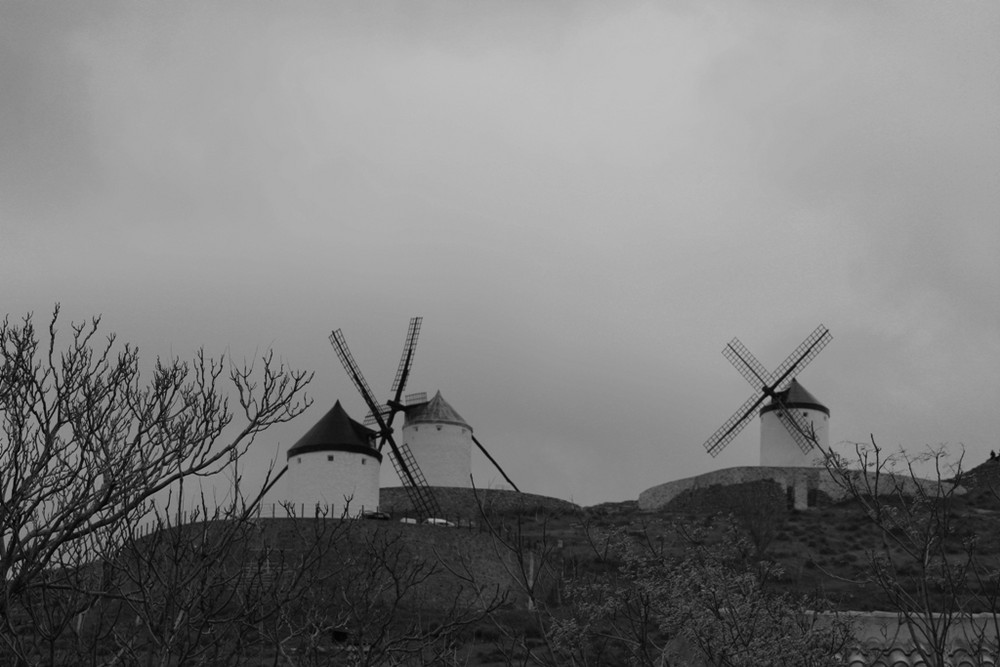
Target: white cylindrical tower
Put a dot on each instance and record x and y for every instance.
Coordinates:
(441, 442)
(334, 465)
(777, 446)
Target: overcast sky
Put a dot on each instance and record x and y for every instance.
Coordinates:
(585, 202)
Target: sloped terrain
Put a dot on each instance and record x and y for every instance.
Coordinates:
(826, 549)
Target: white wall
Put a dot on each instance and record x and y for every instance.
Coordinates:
(313, 478)
(443, 452)
(779, 449)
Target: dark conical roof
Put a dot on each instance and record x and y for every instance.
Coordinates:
(796, 396)
(435, 411)
(336, 432)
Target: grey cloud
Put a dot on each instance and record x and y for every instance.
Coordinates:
(585, 201)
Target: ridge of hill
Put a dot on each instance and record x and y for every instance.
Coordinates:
(984, 477)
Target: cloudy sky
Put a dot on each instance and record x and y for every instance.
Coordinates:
(584, 200)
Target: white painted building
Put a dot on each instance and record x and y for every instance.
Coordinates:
(777, 446)
(441, 442)
(334, 465)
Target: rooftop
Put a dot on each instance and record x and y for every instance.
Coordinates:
(796, 396)
(435, 411)
(336, 431)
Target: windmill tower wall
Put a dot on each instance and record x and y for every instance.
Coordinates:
(334, 465)
(331, 478)
(777, 446)
(441, 442)
(443, 452)
(779, 449)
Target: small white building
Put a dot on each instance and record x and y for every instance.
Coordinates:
(335, 465)
(777, 446)
(441, 442)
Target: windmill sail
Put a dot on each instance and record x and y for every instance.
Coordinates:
(769, 385)
(732, 426)
(409, 473)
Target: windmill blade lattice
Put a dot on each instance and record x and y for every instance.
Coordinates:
(406, 361)
(372, 420)
(802, 355)
(405, 465)
(769, 385)
(748, 366)
(354, 373)
(419, 491)
(732, 426)
(389, 409)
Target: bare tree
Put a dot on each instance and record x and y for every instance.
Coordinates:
(95, 573)
(703, 601)
(86, 444)
(527, 582)
(693, 597)
(928, 563)
(729, 612)
(372, 593)
(184, 591)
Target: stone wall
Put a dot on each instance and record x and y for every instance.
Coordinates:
(802, 483)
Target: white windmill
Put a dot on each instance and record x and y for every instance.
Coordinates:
(794, 424)
(420, 463)
(335, 465)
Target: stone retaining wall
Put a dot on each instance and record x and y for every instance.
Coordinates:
(802, 483)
